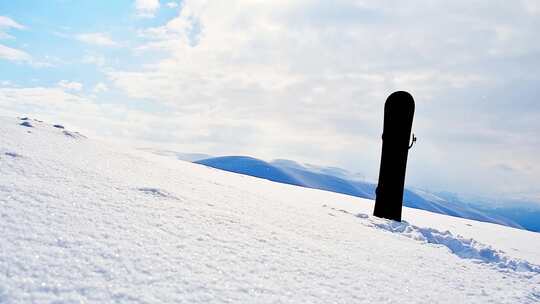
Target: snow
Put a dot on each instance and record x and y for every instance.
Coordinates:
(88, 221)
(335, 180)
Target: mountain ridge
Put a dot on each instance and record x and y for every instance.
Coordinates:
(293, 173)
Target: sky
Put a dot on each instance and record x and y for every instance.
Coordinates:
(301, 80)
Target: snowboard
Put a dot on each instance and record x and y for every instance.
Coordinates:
(398, 118)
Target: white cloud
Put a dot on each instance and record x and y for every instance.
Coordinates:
(146, 8)
(20, 56)
(307, 73)
(52, 102)
(6, 22)
(56, 105)
(70, 85)
(5, 36)
(12, 54)
(98, 60)
(100, 88)
(532, 6)
(101, 39)
(277, 78)
(105, 120)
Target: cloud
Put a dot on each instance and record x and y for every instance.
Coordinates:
(4, 35)
(101, 39)
(532, 6)
(100, 87)
(57, 105)
(146, 8)
(12, 54)
(6, 52)
(70, 85)
(20, 56)
(304, 74)
(307, 80)
(7, 23)
(118, 121)
(41, 100)
(98, 60)
(172, 4)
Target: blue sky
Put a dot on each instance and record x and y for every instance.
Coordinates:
(304, 80)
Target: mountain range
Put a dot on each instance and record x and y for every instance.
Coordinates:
(341, 181)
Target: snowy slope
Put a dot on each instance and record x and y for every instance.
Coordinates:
(84, 221)
(292, 173)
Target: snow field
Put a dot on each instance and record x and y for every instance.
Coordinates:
(85, 221)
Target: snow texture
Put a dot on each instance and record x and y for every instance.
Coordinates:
(458, 245)
(84, 221)
(26, 124)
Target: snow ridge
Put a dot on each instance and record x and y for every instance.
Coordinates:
(458, 245)
(465, 248)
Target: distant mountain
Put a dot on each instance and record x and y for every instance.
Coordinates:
(522, 211)
(289, 172)
(527, 217)
(250, 166)
(191, 157)
(341, 181)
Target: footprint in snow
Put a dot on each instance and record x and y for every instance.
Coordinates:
(159, 193)
(74, 135)
(12, 154)
(465, 248)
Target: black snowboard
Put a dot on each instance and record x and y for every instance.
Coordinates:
(398, 118)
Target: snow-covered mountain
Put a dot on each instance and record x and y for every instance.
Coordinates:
(192, 157)
(338, 180)
(85, 221)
